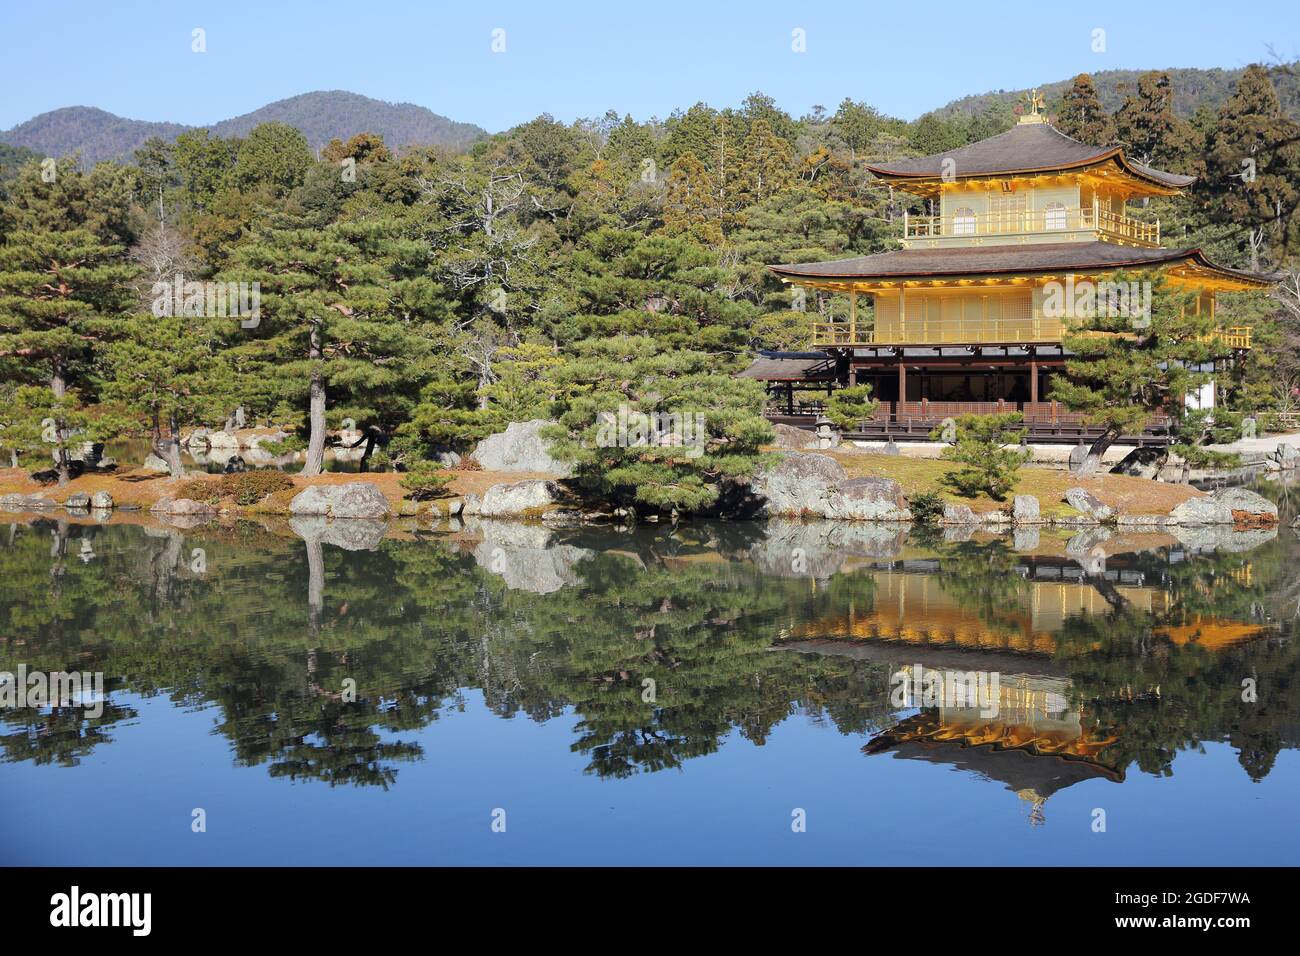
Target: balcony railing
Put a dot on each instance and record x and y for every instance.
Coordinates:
(1026, 221)
(939, 332)
(1013, 331)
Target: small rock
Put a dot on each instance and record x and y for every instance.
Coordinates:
(454, 507)
(26, 503)
(181, 506)
(960, 515)
(408, 508)
(435, 508)
(101, 501)
(1080, 499)
(77, 501)
(153, 463)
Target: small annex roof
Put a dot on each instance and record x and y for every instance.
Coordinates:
(1027, 148)
(791, 367)
(1007, 260)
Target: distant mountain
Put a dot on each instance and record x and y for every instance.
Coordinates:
(337, 113)
(1192, 88)
(321, 116)
(97, 133)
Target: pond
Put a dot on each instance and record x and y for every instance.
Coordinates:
(499, 693)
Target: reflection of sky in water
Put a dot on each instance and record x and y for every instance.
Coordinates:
(131, 804)
(1092, 677)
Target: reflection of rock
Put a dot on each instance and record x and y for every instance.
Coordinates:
(520, 448)
(181, 506)
(958, 533)
(355, 499)
(1220, 537)
(818, 549)
(1026, 538)
(1082, 543)
(517, 498)
(359, 534)
(526, 556)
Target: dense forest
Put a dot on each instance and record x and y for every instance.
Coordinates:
(554, 271)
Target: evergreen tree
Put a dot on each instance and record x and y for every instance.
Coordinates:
(1081, 114)
(1253, 168)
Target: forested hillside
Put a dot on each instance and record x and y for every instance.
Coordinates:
(321, 116)
(560, 271)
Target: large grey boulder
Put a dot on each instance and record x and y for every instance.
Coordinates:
(77, 501)
(1025, 510)
(790, 438)
(1226, 506)
(517, 499)
(1080, 499)
(356, 499)
(799, 485)
(868, 499)
(1142, 463)
(1246, 506)
(218, 441)
(520, 448)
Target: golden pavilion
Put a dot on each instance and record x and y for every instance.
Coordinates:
(957, 322)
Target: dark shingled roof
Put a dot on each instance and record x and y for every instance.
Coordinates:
(999, 260)
(1031, 147)
(791, 367)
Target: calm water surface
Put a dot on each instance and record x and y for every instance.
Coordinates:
(651, 696)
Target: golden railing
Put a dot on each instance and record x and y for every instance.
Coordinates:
(1063, 219)
(940, 332)
(1235, 337)
(1011, 331)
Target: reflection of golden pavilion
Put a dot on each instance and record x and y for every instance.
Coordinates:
(917, 609)
(1035, 741)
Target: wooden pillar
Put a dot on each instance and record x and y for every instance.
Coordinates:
(789, 398)
(1033, 380)
(853, 315)
(902, 380)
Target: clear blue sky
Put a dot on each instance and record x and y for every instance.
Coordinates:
(577, 59)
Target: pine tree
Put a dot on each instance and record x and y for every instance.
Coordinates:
(1129, 367)
(1253, 167)
(1081, 114)
(63, 286)
(1147, 127)
(332, 318)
